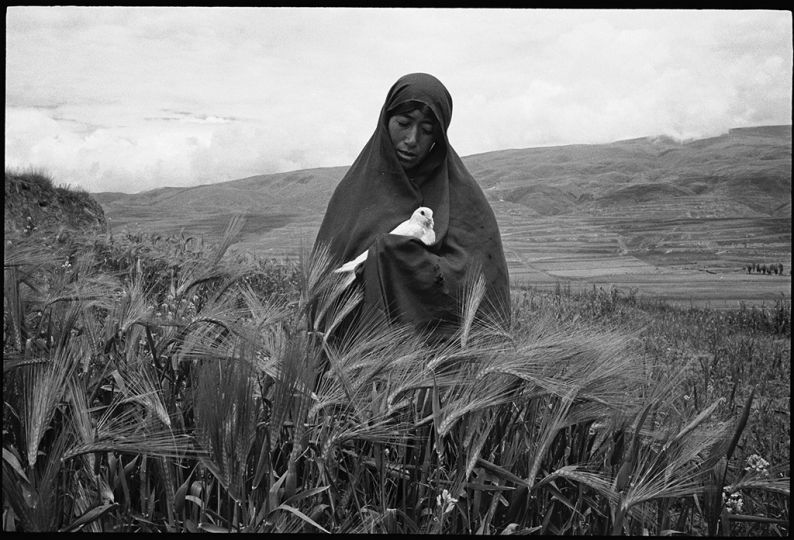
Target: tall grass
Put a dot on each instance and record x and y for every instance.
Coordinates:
(160, 384)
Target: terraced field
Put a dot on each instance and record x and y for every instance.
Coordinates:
(702, 261)
(679, 260)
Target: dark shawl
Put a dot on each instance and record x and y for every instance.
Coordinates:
(403, 279)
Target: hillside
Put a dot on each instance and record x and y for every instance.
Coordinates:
(746, 172)
(589, 212)
(32, 201)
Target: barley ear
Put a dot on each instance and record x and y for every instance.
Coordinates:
(473, 294)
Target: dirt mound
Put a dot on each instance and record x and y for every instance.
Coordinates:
(33, 203)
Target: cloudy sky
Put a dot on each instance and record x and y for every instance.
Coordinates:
(130, 99)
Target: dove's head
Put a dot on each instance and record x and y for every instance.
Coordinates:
(423, 215)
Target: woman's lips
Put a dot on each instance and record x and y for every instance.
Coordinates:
(405, 155)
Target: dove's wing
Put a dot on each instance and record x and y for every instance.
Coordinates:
(350, 266)
(409, 228)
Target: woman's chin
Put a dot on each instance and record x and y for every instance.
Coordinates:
(408, 163)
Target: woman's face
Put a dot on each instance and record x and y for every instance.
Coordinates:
(412, 136)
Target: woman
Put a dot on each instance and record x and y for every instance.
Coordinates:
(407, 163)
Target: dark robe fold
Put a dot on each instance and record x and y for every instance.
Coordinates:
(403, 279)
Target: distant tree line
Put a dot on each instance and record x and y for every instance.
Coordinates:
(757, 268)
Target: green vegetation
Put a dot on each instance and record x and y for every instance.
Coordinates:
(157, 383)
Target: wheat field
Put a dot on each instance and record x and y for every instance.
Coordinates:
(162, 384)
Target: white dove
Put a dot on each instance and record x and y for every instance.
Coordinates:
(419, 225)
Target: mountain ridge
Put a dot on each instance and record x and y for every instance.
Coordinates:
(579, 167)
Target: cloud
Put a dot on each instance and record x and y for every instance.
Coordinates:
(109, 159)
(135, 98)
(609, 77)
(197, 118)
(202, 149)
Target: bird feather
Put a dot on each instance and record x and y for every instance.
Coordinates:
(419, 225)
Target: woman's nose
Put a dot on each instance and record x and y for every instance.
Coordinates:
(410, 136)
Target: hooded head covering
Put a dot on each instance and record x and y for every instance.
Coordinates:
(403, 279)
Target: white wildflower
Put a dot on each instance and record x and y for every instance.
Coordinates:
(595, 427)
(757, 464)
(446, 501)
(733, 502)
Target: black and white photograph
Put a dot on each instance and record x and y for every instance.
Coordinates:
(397, 270)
